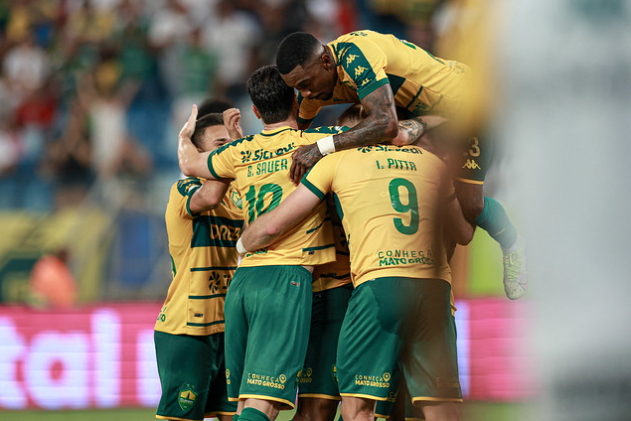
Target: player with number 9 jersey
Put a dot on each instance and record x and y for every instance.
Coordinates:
(391, 222)
(391, 201)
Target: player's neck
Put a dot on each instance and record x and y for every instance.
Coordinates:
(291, 122)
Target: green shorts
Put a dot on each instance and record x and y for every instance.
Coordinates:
(318, 375)
(191, 370)
(268, 313)
(476, 161)
(400, 322)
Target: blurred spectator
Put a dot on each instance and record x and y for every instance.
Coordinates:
(138, 59)
(4, 17)
(197, 75)
(169, 28)
(69, 160)
(26, 67)
(52, 285)
(169, 25)
(17, 20)
(198, 67)
(9, 147)
(348, 18)
(279, 19)
(106, 97)
(234, 34)
(89, 25)
(38, 107)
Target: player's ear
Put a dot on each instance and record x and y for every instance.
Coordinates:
(326, 60)
(256, 112)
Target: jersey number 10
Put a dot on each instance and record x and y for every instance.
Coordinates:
(256, 202)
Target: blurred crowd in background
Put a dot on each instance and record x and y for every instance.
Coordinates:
(93, 93)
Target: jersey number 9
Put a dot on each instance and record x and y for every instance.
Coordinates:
(411, 206)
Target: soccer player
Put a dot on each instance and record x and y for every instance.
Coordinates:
(382, 73)
(268, 306)
(189, 334)
(394, 204)
(318, 392)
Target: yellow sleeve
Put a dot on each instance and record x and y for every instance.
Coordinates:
(364, 63)
(319, 179)
(221, 162)
(181, 200)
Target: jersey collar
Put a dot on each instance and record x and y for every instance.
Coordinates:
(274, 132)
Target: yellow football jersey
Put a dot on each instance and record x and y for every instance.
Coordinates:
(260, 166)
(366, 60)
(203, 258)
(338, 273)
(389, 199)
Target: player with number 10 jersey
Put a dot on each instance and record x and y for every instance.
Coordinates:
(260, 164)
(272, 283)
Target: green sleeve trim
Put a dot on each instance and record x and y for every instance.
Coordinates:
(338, 207)
(371, 88)
(311, 187)
(210, 166)
(206, 324)
(189, 196)
(173, 268)
(185, 185)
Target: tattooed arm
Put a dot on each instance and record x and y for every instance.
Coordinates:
(379, 126)
(411, 131)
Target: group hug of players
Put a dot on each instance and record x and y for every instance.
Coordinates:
(344, 287)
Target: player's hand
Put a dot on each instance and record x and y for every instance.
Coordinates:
(303, 159)
(189, 128)
(403, 137)
(232, 121)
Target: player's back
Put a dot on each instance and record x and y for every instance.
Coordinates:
(389, 198)
(260, 165)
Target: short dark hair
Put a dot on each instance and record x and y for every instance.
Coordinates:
(351, 116)
(273, 99)
(209, 120)
(214, 105)
(296, 49)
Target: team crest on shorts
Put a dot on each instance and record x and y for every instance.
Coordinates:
(187, 397)
(334, 373)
